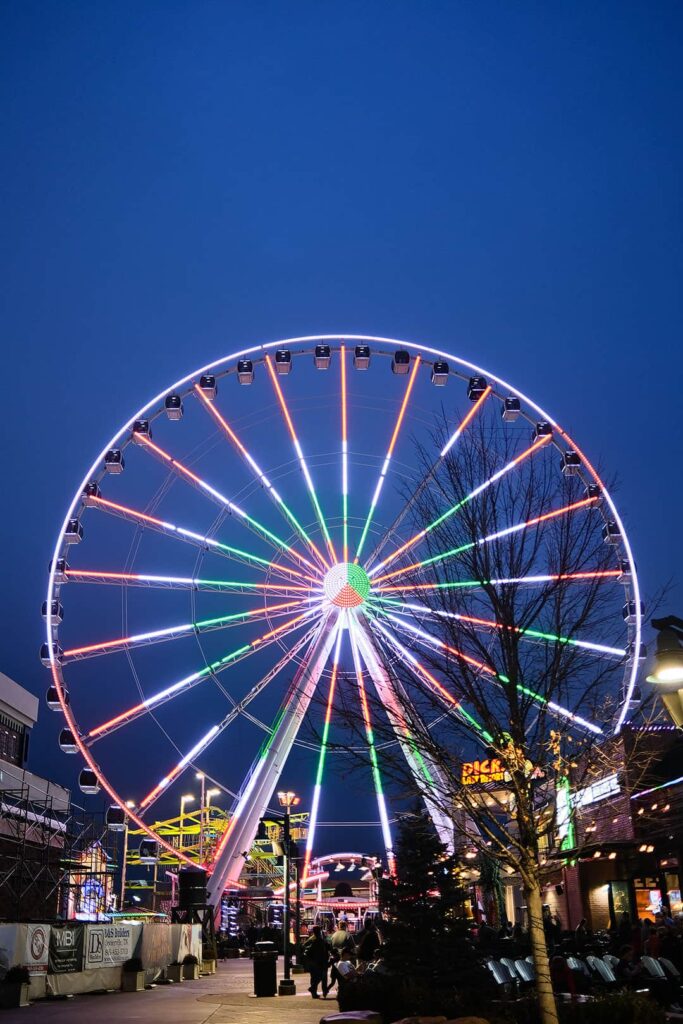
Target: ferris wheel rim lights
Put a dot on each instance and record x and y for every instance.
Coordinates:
(59, 572)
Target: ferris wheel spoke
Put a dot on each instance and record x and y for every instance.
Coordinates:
(432, 683)
(317, 790)
(427, 774)
(421, 534)
(205, 488)
(498, 535)
(344, 455)
(435, 643)
(534, 635)
(214, 669)
(429, 476)
(135, 579)
(192, 537)
(265, 772)
(221, 726)
(387, 457)
(302, 460)
(409, 588)
(260, 475)
(184, 629)
(374, 762)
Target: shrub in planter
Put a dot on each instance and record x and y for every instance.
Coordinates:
(174, 971)
(396, 997)
(609, 1008)
(445, 979)
(190, 967)
(617, 1008)
(133, 975)
(14, 988)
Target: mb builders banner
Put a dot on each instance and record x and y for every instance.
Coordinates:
(67, 943)
(110, 945)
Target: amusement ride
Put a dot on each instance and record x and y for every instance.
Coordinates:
(245, 547)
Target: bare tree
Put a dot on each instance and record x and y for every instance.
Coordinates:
(512, 649)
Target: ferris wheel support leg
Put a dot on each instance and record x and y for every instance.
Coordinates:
(429, 778)
(260, 784)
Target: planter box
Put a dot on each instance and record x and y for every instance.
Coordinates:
(208, 967)
(190, 972)
(133, 981)
(174, 972)
(12, 996)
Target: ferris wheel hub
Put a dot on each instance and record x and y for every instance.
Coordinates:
(346, 585)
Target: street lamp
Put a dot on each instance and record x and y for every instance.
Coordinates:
(186, 799)
(287, 801)
(202, 801)
(667, 676)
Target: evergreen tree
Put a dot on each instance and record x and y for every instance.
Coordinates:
(424, 893)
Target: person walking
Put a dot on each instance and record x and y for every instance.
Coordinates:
(341, 940)
(368, 943)
(316, 955)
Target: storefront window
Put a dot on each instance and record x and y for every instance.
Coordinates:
(648, 903)
(672, 885)
(621, 900)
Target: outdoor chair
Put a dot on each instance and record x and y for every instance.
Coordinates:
(578, 966)
(583, 979)
(653, 967)
(611, 959)
(503, 978)
(670, 969)
(602, 972)
(665, 989)
(510, 965)
(526, 971)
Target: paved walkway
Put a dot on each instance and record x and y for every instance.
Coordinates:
(223, 998)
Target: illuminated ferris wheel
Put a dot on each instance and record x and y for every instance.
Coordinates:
(245, 547)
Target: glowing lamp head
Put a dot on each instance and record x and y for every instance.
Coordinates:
(346, 585)
(668, 667)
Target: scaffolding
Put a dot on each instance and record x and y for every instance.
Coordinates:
(57, 861)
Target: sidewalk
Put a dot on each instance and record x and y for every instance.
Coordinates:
(223, 998)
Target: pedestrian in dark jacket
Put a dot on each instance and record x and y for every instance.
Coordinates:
(316, 956)
(368, 943)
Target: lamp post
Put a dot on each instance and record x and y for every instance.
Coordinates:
(297, 913)
(202, 802)
(186, 799)
(287, 801)
(667, 676)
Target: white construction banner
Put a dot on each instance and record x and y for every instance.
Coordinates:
(110, 945)
(37, 948)
(186, 939)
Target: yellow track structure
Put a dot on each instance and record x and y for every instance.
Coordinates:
(182, 833)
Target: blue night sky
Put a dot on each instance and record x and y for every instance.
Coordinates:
(183, 179)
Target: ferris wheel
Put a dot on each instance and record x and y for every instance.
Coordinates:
(245, 547)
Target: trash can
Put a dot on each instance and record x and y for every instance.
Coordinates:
(265, 969)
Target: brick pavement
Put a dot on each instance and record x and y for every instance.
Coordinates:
(223, 998)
